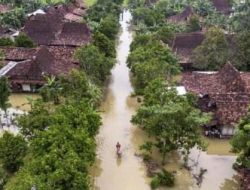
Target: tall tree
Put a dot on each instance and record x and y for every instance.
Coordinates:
(5, 93)
(170, 119)
(241, 142)
(12, 151)
(213, 52)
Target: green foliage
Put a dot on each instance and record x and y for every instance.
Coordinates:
(51, 90)
(6, 42)
(12, 151)
(163, 178)
(147, 16)
(171, 119)
(3, 178)
(165, 34)
(23, 40)
(109, 26)
(5, 93)
(13, 19)
(104, 44)
(241, 142)
(150, 61)
(77, 86)
(242, 51)
(102, 9)
(213, 53)
(193, 24)
(62, 150)
(94, 63)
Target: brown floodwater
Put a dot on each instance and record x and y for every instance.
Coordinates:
(129, 172)
(20, 100)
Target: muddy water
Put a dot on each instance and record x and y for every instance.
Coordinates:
(20, 100)
(129, 173)
(126, 173)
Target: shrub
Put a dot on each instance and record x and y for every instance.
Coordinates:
(163, 178)
(24, 41)
(6, 42)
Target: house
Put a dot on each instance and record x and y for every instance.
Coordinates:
(182, 17)
(223, 6)
(50, 29)
(72, 34)
(28, 75)
(42, 28)
(183, 45)
(225, 93)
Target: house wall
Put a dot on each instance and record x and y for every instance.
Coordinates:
(26, 87)
(227, 131)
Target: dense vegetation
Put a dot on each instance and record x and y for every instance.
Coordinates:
(241, 142)
(170, 119)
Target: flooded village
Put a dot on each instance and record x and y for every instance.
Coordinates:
(122, 95)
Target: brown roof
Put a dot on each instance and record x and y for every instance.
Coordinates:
(18, 53)
(222, 6)
(73, 34)
(42, 63)
(228, 88)
(42, 28)
(183, 45)
(183, 16)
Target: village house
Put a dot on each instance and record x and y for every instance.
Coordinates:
(183, 45)
(60, 25)
(182, 17)
(28, 75)
(225, 93)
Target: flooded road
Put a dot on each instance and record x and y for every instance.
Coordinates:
(20, 100)
(126, 173)
(129, 172)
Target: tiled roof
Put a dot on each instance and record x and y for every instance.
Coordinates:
(53, 27)
(222, 6)
(73, 34)
(42, 63)
(228, 88)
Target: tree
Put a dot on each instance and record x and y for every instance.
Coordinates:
(12, 151)
(193, 24)
(5, 93)
(171, 119)
(213, 53)
(51, 90)
(13, 19)
(62, 154)
(151, 61)
(77, 86)
(104, 44)
(109, 26)
(242, 51)
(22, 40)
(6, 42)
(241, 142)
(94, 63)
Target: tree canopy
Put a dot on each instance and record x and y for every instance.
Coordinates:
(170, 118)
(213, 53)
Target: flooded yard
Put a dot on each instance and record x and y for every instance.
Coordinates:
(20, 100)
